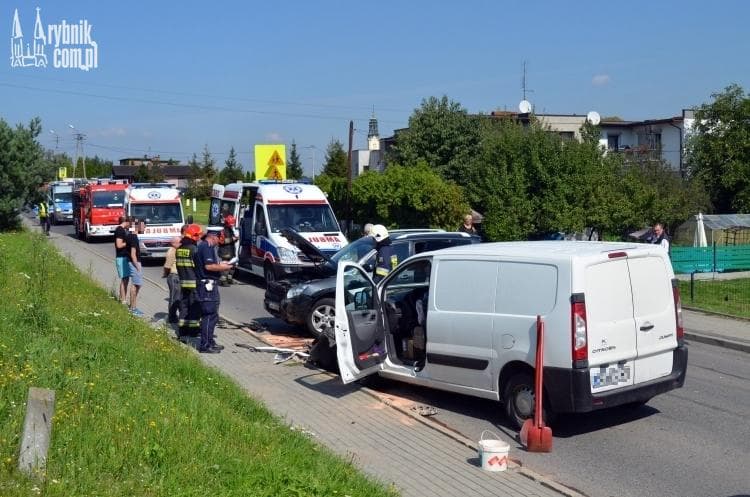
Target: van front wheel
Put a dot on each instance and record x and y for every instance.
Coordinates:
(519, 397)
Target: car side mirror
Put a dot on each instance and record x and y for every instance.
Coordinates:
(368, 266)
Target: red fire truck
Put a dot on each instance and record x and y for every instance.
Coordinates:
(97, 207)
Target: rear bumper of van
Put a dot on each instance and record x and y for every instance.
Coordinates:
(569, 390)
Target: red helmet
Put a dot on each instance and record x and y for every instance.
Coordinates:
(229, 220)
(193, 231)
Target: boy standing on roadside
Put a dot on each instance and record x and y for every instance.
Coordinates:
(134, 265)
(122, 256)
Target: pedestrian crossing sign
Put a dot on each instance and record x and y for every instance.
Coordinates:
(270, 162)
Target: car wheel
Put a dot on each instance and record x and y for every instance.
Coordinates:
(519, 400)
(86, 236)
(321, 316)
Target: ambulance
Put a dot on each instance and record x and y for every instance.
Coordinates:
(261, 210)
(159, 205)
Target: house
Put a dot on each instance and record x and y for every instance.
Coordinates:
(373, 157)
(171, 169)
(651, 139)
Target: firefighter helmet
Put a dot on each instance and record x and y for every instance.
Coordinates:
(379, 232)
(193, 231)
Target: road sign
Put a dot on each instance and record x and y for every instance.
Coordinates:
(270, 162)
(62, 172)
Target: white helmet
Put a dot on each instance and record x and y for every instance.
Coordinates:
(379, 233)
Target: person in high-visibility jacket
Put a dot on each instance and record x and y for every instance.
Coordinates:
(44, 218)
(386, 259)
(190, 309)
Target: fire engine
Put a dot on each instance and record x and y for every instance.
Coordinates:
(97, 207)
(158, 205)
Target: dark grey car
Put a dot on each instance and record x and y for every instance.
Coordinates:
(307, 298)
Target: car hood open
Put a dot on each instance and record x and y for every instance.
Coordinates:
(305, 246)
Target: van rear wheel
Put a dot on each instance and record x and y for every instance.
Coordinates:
(269, 274)
(519, 398)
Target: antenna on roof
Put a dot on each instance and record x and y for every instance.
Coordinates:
(524, 106)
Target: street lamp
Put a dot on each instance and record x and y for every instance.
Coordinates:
(313, 148)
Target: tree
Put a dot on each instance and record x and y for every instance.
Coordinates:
(249, 176)
(441, 133)
(208, 167)
(232, 170)
(719, 149)
(335, 160)
(194, 178)
(22, 170)
(294, 166)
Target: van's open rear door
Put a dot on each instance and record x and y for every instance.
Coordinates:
(360, 338)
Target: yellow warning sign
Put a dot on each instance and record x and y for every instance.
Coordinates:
(62, 172)
(270, 162)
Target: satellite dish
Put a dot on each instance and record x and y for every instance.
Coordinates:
(524, 106)
(593, 117)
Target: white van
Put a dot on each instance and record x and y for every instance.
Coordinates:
(261, 210)
(159, 205)
(463, 319)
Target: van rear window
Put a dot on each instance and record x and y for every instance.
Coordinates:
(526, 289)
(652, 286)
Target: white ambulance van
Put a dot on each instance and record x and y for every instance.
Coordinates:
(159, 205)
(612, 311)
(261, 210)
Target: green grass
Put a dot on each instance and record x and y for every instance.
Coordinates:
(136, 414)
(200, 215)
(730, 297)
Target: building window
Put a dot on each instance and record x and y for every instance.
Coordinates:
(613, 143)
(567, 135)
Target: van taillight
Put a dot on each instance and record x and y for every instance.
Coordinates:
(680, 331)
(578, 331)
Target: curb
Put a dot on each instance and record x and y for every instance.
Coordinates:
(706, 312)
(718, 341)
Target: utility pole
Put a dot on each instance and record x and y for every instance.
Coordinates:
(79, 137)
(349, 181)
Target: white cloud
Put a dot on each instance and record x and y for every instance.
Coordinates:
(600, 80)
(274, 136)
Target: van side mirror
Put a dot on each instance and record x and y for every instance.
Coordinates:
(190, 219)
(260, 229)
(368, 266)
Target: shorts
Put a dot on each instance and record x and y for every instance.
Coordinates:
(123, 271)
(136, 277)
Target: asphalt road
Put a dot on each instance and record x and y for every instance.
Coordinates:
(691, 442)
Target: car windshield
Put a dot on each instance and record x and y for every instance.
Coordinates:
(108, 199)
(63, 197)
(354, 251)
(304, 218)
(161, 213)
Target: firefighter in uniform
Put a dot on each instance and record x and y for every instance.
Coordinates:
(227, 248)
(208, 267)
(190, 308)
(386, 260)
(44, 217)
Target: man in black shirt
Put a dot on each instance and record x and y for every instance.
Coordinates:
(134, 264)
(122, 257)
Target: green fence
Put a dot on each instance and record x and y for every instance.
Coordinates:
(710, 259)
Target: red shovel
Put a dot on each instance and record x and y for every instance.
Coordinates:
(534, 435)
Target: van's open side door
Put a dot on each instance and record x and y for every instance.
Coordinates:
(360, 337)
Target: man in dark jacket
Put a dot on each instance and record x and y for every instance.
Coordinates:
(227, 248)
(208, 268)
(386, 259)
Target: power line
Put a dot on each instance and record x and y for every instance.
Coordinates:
(186, 105)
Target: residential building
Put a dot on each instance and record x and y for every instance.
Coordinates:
(172, 171)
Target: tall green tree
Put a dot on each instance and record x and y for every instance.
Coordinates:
(22, 170)
(294, 166)
(194, 186)
(232, 170)
(719, 149)
(208, 167)
(335, 160)
(442, 134)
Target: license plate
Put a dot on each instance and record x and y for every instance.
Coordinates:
(273, 305)
(611, 375)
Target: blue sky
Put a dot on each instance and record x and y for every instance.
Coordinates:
(172, 77)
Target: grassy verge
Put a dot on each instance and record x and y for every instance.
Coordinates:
(200, 215)
(136, 414)
(730, 297)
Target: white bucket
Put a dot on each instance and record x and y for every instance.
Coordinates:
(493, 453)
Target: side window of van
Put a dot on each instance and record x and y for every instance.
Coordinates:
(526, 289)
(260, 221)
(465, 286)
